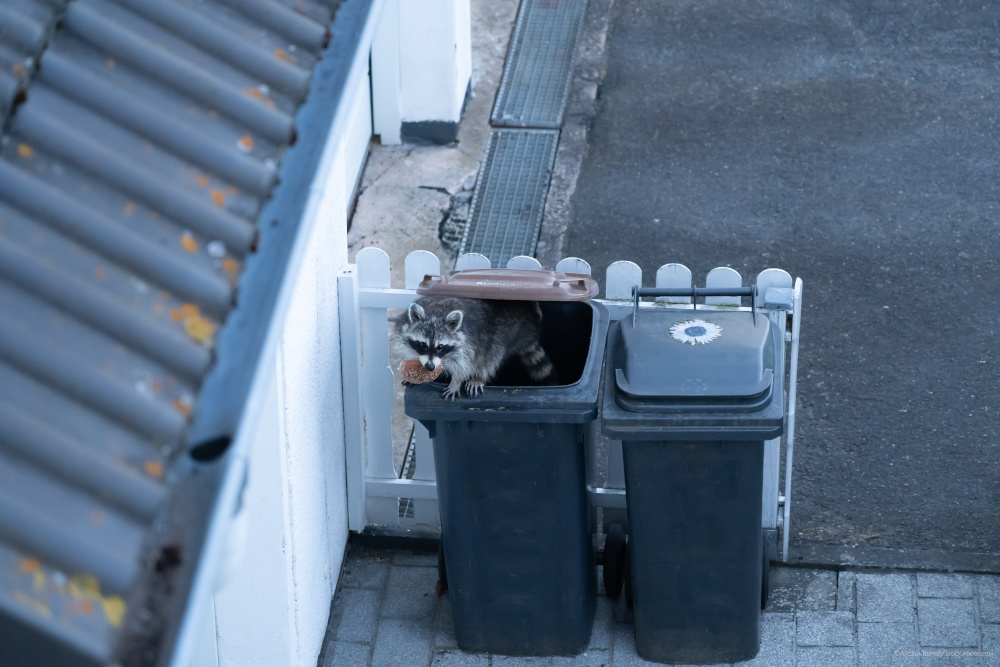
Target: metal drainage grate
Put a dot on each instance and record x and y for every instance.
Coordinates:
(507, 205)
(537, 75)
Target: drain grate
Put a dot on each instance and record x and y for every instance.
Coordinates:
(537, 75)
(507, 205)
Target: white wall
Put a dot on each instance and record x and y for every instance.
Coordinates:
(274, 608)
(421, 63)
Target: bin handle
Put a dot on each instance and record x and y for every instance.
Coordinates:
(694, 293)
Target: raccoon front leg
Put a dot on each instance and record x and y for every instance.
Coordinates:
(453, 389)
(474, 387)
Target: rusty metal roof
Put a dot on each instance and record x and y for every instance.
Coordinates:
(141, 141)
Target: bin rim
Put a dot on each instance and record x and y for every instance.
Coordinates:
(575, 402)
(511, 285)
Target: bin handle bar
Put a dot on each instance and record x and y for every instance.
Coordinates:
(694, 293)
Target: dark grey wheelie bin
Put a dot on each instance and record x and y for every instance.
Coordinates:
(693, 395)
(512, 494)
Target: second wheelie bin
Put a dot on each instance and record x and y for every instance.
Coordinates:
(693, 395)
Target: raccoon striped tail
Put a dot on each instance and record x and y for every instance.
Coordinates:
(539, 366)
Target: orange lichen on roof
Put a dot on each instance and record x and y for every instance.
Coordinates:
(17, 68)
(245, 143)
(31, 565)
(154, 469)
(34, 604)
(281, 54)
(219, 197)
(129, 208)
(181, 406)
(253, 92)
(188, 242)
(183, 312)
(24, 150)
(202, 181)
(213, 114)
(85, 588)
(110, 62)
(100, 273)
(230, 265)
(195, 326)
(199, 328)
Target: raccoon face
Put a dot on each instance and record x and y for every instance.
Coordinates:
(430, 337)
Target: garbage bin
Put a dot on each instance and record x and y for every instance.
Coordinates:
(511, 484)
(693, 395)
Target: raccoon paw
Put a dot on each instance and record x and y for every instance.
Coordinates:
(475, 387)
(451, 392)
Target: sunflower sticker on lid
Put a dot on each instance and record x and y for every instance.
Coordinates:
(695, 332)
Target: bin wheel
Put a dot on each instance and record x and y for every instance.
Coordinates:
(442, 584)
(765, 582)
(614, 560)
(627, 576)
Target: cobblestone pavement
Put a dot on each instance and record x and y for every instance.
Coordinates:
(387, 614)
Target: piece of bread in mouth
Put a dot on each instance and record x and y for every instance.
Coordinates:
(414, 372)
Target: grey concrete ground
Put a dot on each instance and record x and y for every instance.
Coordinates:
(387, 614)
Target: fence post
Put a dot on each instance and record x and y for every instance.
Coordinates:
(377, 395)
(350, 359)
(723, 276)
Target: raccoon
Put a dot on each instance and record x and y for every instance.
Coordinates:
(472, 338)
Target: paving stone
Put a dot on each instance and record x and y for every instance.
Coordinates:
(355, 613)
(600, 633)
(460, 659)
(989, 598)
(624, 654)
(777, 617)
(954, 657)
(793, 588)
(445, 638)
(885, 598)
(945, 622)
(991, 638)
(520, 661)
(347, 654)
(591, 658)
(845, 591)
(824, 628)
(777, 643)
(826, 656)
(410, 593)
(364, 572)
(419, 559)
(944, 585)
(402, 643)
(890, 644)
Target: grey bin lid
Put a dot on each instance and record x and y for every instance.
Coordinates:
(670, 361)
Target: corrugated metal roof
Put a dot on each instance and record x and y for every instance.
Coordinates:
(134, 163)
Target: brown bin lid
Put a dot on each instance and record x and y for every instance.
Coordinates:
(511, 285)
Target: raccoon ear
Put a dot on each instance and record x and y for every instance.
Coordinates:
(416, 312)
(454, 320)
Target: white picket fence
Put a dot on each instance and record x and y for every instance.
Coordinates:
(377, 489)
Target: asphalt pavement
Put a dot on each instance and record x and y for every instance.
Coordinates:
(855, 145)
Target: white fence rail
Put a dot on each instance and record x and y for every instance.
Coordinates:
(403, 499)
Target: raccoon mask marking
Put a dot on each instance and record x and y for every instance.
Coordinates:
(430, 338)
